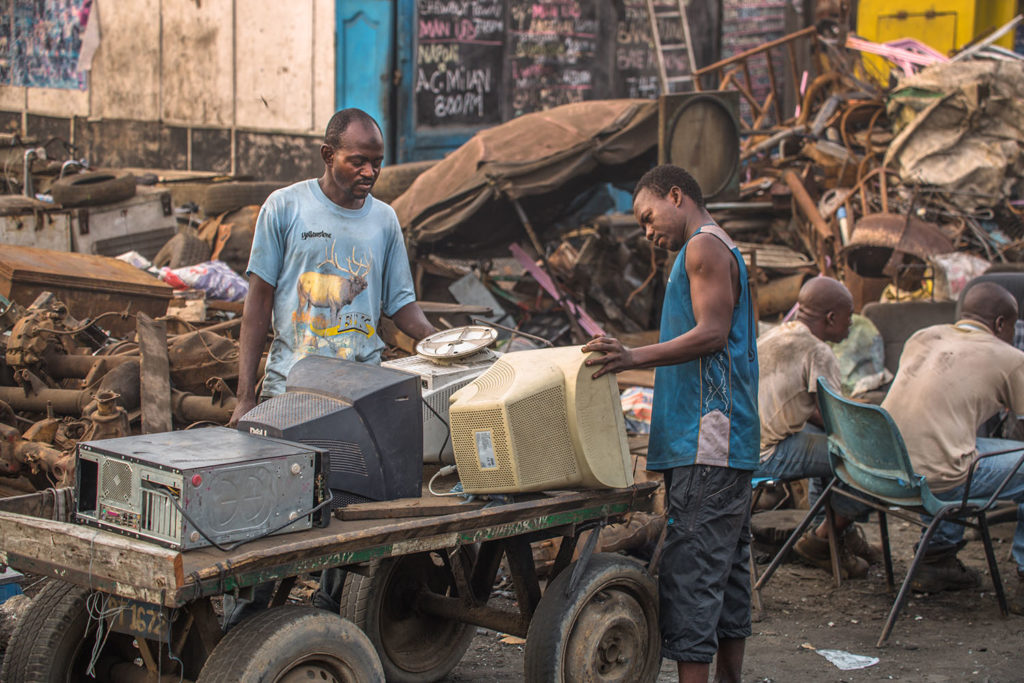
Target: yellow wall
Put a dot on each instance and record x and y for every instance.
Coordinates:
(945, 25)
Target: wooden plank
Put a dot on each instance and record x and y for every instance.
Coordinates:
(90, 557)
(445, 308)
(409, 507)
(155, 380)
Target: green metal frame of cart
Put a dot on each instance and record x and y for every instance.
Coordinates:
(410, 581)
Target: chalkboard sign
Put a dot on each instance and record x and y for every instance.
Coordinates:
(635, 62)
(459, 62)
(481, 62)
(552, 51)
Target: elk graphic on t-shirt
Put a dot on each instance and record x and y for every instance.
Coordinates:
(334, 292)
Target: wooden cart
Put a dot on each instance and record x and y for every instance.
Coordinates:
(419, 576)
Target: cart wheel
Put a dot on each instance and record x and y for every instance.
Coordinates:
(293, 644)
(52, 641)
(413, 647)
(605, 629)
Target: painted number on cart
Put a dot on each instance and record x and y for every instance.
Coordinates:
(138, 618)
(485, 451)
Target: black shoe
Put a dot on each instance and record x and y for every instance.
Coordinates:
(944, 574)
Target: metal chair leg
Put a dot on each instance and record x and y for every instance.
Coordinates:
(993, 566)
(795, 536)
(833, 546)
(883, 531)
(755, 592)
(905, 588)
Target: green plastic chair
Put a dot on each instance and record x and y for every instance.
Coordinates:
(867, 454)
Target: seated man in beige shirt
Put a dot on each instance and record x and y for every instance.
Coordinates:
(951, 379)
(793, 445)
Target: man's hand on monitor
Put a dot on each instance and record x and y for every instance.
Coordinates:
(616, 356)
(241, 408)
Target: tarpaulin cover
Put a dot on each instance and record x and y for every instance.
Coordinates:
(964, 129)
(543, 159)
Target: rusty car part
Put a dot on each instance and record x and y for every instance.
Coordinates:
(62, 401)
(196, 356)
(108, 421)
(33, 336)
(18, 456)
(190, 408)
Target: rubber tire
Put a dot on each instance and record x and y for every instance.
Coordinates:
(92, 188)
(182, 250)
(608, 582)
(362, 603)
(220, 197)
(396, 179)
(266, 645)
(50, 636)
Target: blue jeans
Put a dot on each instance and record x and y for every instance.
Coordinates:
(987, 476)
(804, 455)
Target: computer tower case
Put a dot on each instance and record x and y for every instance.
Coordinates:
(187, 488)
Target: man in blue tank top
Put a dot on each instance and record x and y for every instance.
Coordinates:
(705, 432)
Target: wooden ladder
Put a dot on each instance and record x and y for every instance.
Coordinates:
(667, 82)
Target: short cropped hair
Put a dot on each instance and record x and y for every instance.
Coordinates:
(340, 122)
(661, 179)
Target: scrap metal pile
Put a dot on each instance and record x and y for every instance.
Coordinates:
(65, 380)
(901, 191)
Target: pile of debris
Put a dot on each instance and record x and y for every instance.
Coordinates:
(900, 191)
(65, 380)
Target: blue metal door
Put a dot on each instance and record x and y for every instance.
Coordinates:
(364, 60)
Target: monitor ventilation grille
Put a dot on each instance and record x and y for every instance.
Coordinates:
(496, 380)
(542, 439)
(291, 407)
(345, 456)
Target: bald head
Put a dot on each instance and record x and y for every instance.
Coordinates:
(825, 306)
(993, 305)
(819, 295)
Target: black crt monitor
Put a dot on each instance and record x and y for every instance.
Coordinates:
(367, 418)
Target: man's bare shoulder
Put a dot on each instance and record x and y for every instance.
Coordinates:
(704, 248)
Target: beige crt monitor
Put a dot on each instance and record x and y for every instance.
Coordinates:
(537, 420)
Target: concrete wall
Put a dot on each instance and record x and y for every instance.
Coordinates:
(231, 86)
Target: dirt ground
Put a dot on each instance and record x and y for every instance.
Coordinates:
(944, 637)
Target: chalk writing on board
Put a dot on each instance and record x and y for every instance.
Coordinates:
(552, 48)
(635, 59)
(459, 70)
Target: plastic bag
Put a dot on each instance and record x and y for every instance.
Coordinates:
(861, 358)
(637, 403)
(953, 271)
(213, 277)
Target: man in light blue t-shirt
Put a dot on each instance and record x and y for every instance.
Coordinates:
(327, 259)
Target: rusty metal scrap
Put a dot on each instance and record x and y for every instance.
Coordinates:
(63, 380)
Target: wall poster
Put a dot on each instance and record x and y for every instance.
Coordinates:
(40, 41)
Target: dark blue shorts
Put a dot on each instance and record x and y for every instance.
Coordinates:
(704, 575)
